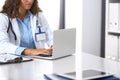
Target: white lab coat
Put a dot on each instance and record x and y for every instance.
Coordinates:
(8, 44)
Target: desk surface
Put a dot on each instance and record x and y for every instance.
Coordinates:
(101, 64)
(35, 69)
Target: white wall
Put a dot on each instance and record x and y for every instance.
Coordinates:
(74, 12)
(70, 15)
(91, 40)
(1, 3)
(92, 26)
(51, 10)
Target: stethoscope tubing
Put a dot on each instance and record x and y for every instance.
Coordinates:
(10, 26)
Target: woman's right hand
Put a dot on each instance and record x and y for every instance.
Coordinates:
(35, 52)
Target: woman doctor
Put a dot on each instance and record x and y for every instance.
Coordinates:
(24, 29)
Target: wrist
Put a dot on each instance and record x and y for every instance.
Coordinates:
(27, 51)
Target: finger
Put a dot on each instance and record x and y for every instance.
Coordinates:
(46, 51)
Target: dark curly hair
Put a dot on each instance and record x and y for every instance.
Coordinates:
(10, 8)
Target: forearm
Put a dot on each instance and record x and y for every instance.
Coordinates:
(28, 51)
(41, 51)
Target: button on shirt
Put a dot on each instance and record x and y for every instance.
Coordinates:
(26, 38)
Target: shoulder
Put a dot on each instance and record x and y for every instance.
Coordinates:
(3, 21)
(38, 16)
(3, 17)
(42, 19)
(41, 15)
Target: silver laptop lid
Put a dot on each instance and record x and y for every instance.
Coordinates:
(64, 42)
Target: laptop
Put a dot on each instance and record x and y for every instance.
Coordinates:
(64, 41)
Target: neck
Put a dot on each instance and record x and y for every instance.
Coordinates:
(22, 14)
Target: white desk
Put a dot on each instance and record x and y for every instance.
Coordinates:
(35, 69)
(97, 63)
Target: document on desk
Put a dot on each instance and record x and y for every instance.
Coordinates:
(10, 58)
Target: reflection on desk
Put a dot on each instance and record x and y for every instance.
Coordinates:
(101, 64)
(35, 69)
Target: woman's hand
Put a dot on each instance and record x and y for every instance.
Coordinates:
(35, 52)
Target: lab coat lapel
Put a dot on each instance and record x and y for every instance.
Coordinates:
(16, 29)
(33, 25)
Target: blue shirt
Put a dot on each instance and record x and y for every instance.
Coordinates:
(26, 38)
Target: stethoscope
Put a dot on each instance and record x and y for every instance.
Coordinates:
(38, 25)
(10, 27)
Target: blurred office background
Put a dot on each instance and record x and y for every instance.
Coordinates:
(63, 14)
(91, 26)
(51, 10)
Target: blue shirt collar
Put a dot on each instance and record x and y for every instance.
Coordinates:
(29, 13)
